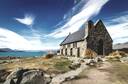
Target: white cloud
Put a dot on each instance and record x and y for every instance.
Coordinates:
(118, 28)
(27, 20)
(10, 39)
(89, 9)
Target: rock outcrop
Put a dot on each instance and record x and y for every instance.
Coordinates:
(26, 76)
(3, 75)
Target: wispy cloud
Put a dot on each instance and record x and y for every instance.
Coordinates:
(10, 39)
(27, 20)
(87, 10)
(13, 40)
(118, 28)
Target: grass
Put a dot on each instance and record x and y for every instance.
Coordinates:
(119, 72)
(63, 65)
(51, 65)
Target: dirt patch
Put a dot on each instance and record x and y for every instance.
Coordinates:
(94, 76)
(119, 72)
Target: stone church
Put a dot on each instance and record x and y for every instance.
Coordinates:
(92, 36)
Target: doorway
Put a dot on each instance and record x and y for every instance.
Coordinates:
(100, 47)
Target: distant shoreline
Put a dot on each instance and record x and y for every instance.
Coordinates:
(8, 57)
(22, 54)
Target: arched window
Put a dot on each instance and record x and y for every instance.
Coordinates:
(71, 51)
(61, 51)
(65, 51)
(78, 52)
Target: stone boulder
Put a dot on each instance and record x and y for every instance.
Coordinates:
(91, 62)
(16, 73)
(3, 75)
(26, 76)
(98, 59)
(33, 77)
(47, 78)
(9, 81)
(74, 66)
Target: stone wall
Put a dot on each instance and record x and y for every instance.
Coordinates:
(97, 33)
(81, 45)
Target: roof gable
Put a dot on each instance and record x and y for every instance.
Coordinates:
(100, 22)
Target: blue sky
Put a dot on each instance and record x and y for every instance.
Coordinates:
(43, 24)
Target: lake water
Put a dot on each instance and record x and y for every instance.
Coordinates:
(23, 54)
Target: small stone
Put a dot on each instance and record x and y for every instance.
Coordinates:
(91, 62)
(53, 75)
(74, 66)
(47, 80)
(46, 75)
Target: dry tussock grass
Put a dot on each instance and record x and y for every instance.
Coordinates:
(49, 65)
(116, 55)
(90, 53)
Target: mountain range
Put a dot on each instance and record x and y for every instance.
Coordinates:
(121, 46)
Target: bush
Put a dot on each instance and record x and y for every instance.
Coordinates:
(115, 56)
(90, 54)
(48, 56)
(118, 53)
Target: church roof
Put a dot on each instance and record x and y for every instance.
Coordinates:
(74, 37)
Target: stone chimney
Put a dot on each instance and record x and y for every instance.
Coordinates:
(89, 26)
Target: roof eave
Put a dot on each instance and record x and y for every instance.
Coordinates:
(72, 42)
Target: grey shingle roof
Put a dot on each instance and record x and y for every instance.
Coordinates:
(74, 37)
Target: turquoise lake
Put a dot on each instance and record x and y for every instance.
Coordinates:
(23, 54)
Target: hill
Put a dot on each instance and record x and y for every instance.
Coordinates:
(121, 47)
